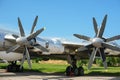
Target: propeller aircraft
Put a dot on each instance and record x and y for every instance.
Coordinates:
(15, 47)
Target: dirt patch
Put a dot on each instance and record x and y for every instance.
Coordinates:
(55, 62)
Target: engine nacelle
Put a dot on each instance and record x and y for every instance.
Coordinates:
(32, 42)
(9, 37)
(12, 56)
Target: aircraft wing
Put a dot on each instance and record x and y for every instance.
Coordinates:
(112, 53)
(76, 45)
(79, 48)
(71, 44)
(72, 47)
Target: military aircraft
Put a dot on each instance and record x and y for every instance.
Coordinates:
(15, 47)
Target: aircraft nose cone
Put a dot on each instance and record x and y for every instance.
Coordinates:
(97, 42)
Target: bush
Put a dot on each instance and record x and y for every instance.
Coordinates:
(82, 62)
(99, 62)
(36, 60)
(111, 61)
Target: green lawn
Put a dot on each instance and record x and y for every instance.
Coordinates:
(56, 68)
(46, 67)
(110, 71)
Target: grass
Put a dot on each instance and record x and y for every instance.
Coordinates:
(100, 71)
(47, 67)
(60, 68)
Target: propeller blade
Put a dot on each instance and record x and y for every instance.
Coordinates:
(92, 57)
(95, 26)
(28, 57)
(22, 34)
(82, 37)
(85, 47)
(41, 47)
(34, 24)
(103, 56)
(110, 46)
(35, 34)
(101, 31)
(113, 38)
(89, 45)
(23, 59)
(105, 64)
(13, 48)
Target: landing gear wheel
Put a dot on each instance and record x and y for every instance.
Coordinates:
(9, 68)
(69, 71)
(21, 69)
(73, 70)
(18, 69)
(14, 68)
(80, 71)
(76, 72)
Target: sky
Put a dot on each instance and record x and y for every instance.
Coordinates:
(62, 18)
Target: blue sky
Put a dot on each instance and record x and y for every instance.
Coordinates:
(62, 18)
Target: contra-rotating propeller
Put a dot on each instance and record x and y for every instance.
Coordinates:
(26, 41)
(99, 43)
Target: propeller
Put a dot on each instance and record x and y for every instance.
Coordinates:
(98, 43)
(27, 41)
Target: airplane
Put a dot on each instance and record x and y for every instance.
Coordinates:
(15, 47)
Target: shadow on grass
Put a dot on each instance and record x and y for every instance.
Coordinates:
(98, 73)
(92, 72)
(2, 67)
(44, 73)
